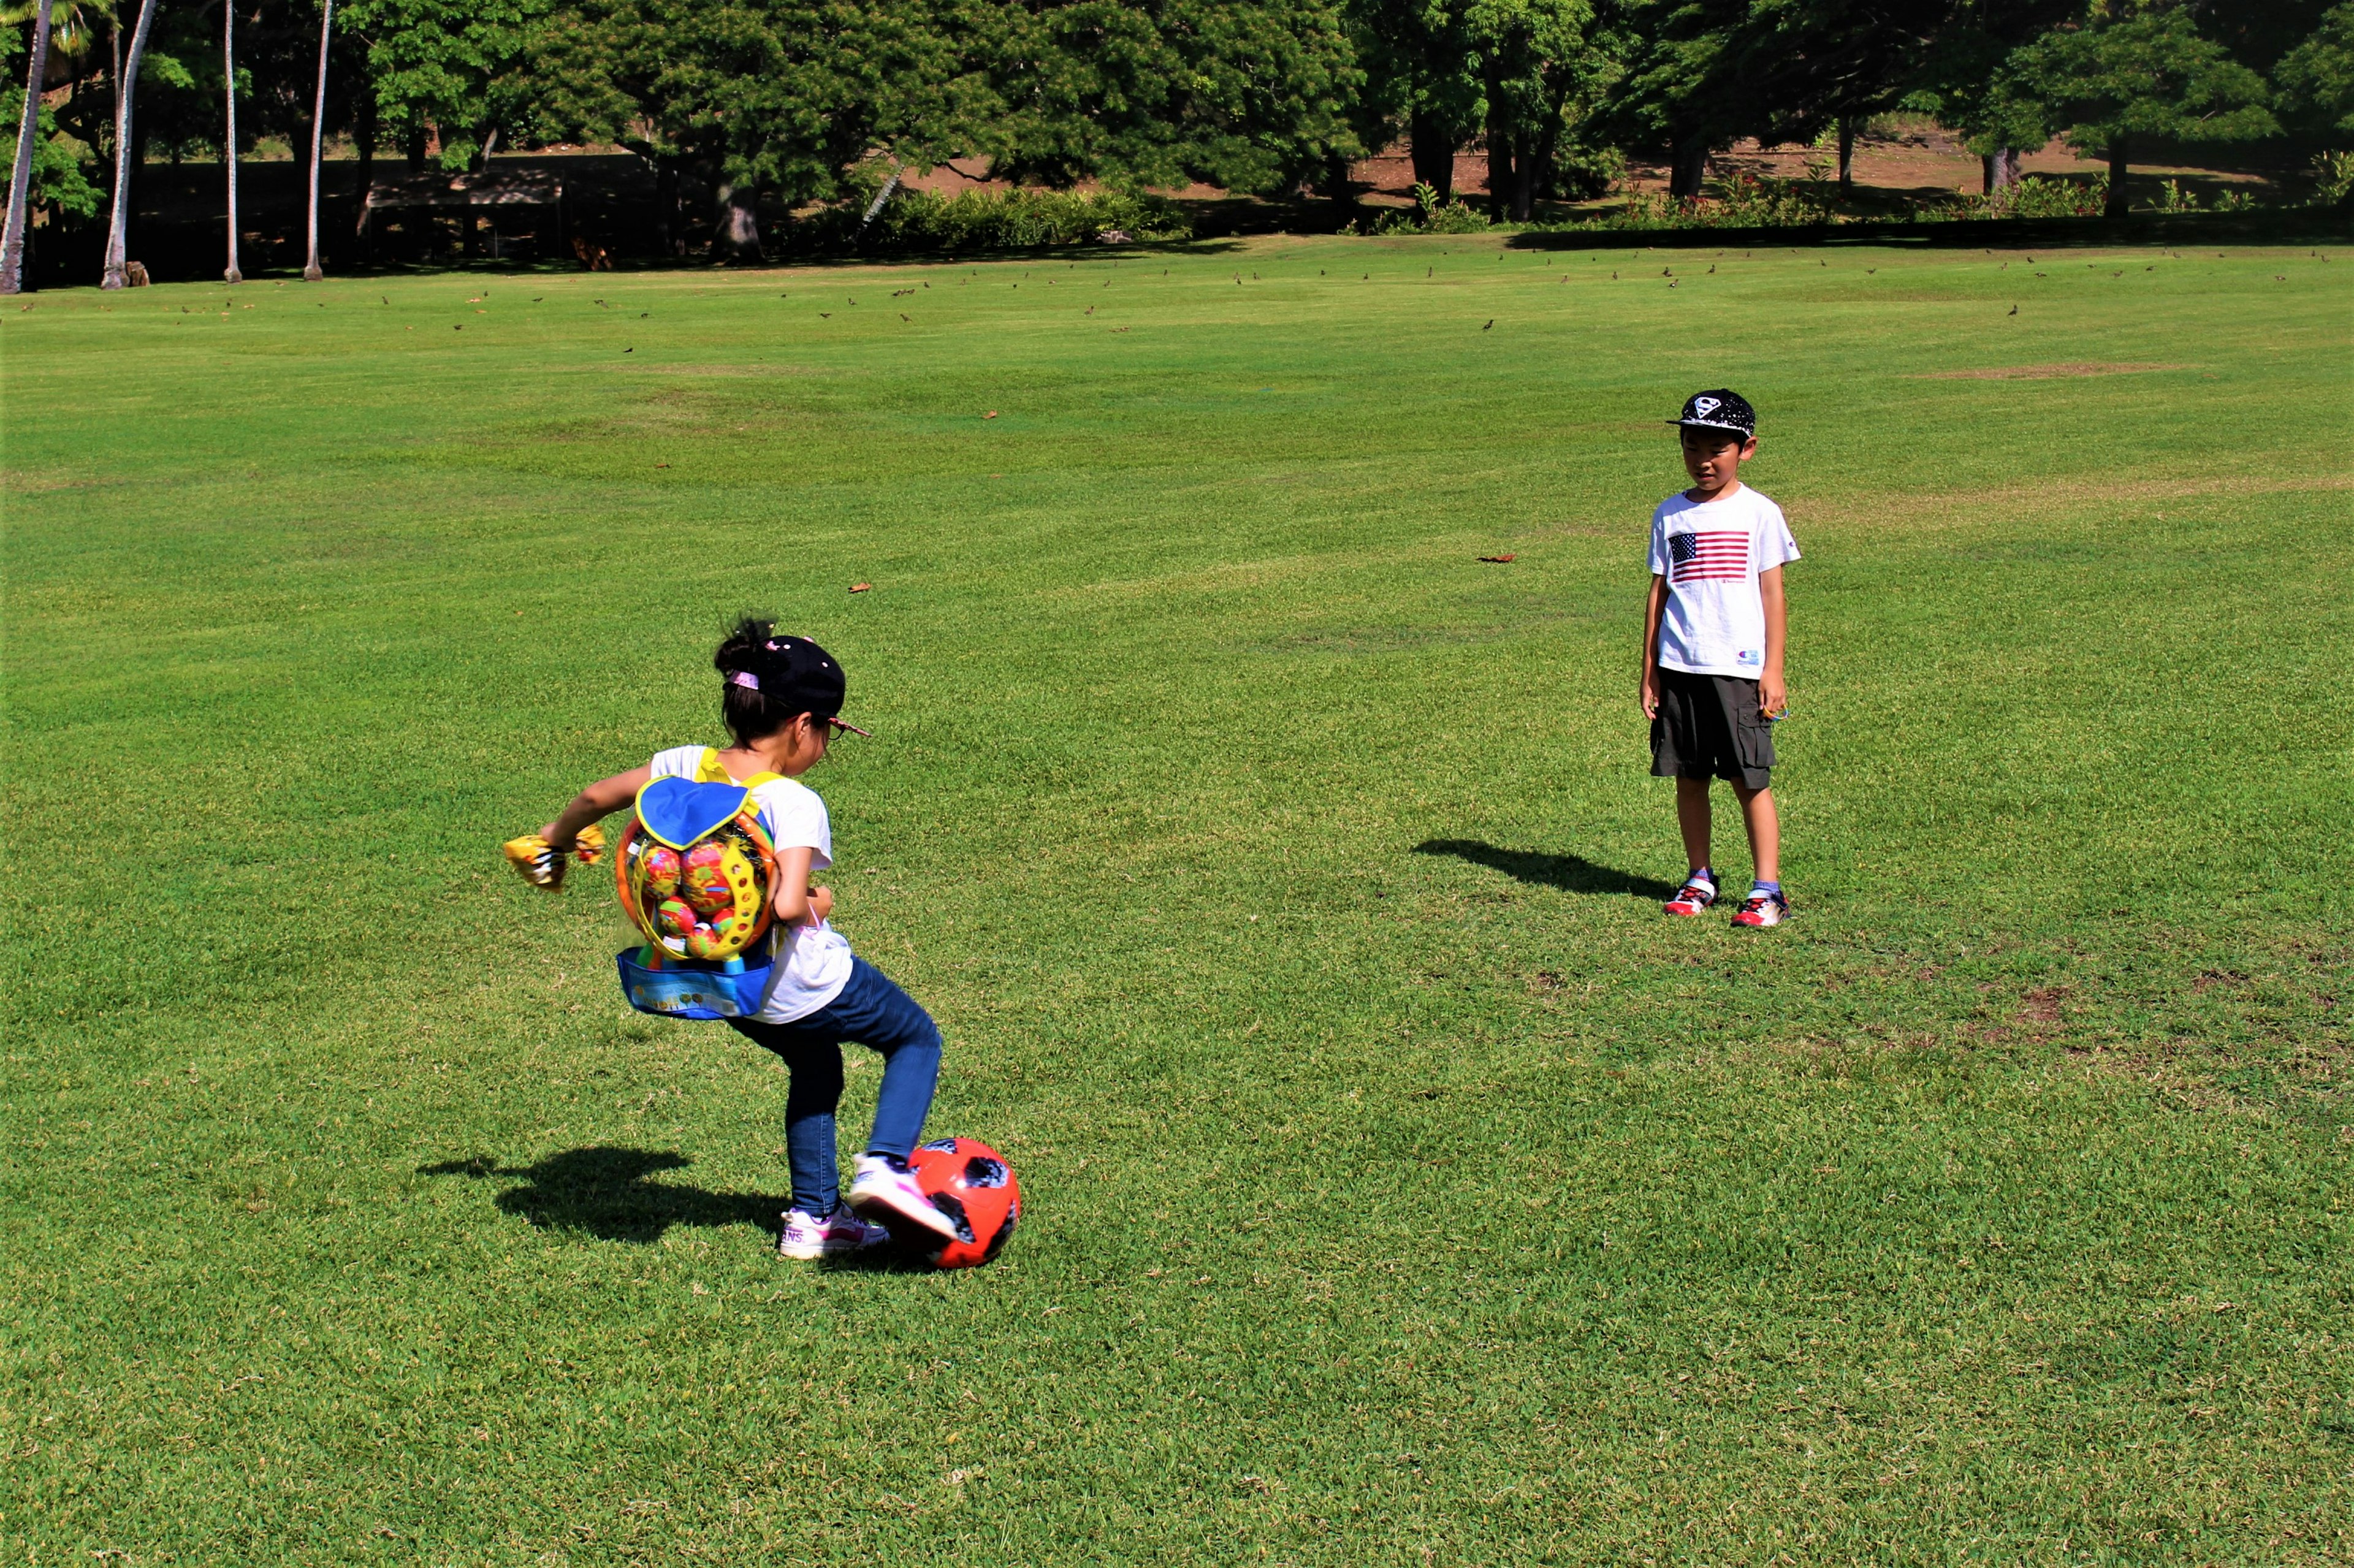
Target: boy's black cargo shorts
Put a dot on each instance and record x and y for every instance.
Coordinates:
(1709, 727)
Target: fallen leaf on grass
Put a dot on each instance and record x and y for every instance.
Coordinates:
(859, 588)
(991, 415)
(1500, 559)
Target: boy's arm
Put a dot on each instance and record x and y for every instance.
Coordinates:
(796, 901)
(1772, 694)
(1656, 606)
(594, 803)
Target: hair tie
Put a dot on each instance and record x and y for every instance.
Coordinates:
(744, 678)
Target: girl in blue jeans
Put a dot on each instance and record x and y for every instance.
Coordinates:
(779, 697)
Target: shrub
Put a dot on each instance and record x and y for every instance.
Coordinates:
(2333, 178)
(923, 221)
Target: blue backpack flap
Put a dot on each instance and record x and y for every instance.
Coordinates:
(693, 871)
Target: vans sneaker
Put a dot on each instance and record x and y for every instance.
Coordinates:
(1762, 909)
(883, 1188)
(807, 1235)
(1696, 894)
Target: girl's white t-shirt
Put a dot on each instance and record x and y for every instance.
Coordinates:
(1711, 553)
(812, 962)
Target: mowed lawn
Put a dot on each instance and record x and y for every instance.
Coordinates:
(1400, 1187)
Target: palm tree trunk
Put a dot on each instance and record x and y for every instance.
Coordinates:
(1847, 154)
(311, 268)
(229, 146)
(1434, 154)
(2117, 206)
(118, 228)
(12, 238)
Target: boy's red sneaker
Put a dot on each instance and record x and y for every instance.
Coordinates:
(1696, 894)
(1762, 909)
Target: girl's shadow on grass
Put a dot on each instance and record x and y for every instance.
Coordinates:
(604, 1191)
(1571, 873)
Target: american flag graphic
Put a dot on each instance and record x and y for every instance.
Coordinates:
(1721, 557)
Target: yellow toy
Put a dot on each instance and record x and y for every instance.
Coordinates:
(542, 864)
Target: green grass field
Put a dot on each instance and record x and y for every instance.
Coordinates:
(1400, 1187)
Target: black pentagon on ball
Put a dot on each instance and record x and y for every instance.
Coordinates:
(983, 1172)
(951, 1205)
(1005, 1233)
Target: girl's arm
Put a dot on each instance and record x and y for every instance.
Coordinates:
(1654, 608)
(798, 903)
(594, 803)
(1772, 694)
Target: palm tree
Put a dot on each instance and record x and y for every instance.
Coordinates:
(311, 268)
(12, 238)
(117, 227)
(228, 145)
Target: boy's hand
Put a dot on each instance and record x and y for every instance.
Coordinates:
(1771, 697)
(538, 861)
(821, 904)
(1650, 693)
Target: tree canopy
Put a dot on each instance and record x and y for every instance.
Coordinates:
(795, 101)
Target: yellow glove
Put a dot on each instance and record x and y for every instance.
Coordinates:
(542, 864)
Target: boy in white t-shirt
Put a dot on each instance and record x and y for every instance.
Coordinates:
(779, 697)
(1713, 638)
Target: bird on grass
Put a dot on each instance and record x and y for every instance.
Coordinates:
(1492, 322)
(2014, 310)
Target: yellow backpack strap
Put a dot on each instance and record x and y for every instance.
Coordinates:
(709, 771)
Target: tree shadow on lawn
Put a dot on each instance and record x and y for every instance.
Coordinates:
(1569, 872)
(604, 1191)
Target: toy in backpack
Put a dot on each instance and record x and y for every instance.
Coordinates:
(696, 871)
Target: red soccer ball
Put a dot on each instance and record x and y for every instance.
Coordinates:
(971, 1183)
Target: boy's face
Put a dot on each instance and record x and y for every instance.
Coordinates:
(1713, 458)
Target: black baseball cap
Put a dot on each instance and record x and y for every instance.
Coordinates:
(1722, 409)
(795, 673)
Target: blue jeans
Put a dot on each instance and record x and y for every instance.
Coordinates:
(877, 1014)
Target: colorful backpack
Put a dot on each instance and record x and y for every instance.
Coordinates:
(696, 872)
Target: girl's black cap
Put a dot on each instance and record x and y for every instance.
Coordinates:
(1722, 409)
(795, 673)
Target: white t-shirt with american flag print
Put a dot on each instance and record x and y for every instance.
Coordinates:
(1711, 554)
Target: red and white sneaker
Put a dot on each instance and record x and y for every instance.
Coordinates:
(884, 1189)
(1762, 909)
(1696, 894)
(808, 1236)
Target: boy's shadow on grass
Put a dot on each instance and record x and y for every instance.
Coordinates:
(604, 1191)
(1571, 873)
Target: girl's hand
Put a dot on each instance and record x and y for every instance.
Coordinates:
(1772, 698)
(820, 905)
(1648, 695)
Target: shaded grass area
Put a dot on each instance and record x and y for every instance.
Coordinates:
(1400, 1187)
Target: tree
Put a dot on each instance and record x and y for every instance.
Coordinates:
(2316, 79)
(781, 96)
(311, 271)
(1254, 95)
(1535, 62)
(20, 180)
(1683, 86)
(1420, 73)
(228, 136)
(2106, 82)
(458, 69)
(117, 274)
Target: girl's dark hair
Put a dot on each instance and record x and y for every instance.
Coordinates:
(749, 714)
